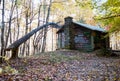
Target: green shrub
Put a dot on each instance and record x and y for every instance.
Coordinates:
(104, 52)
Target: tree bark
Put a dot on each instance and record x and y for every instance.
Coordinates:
(2, 31)
(45, 29)
(14, 53)
(18, 24)
(10, 20)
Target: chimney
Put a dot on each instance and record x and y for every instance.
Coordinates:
(68, 31)
(68, 20)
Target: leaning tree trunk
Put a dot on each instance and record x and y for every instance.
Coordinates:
(14, 46)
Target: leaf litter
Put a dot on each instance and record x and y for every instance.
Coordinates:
(62, 65)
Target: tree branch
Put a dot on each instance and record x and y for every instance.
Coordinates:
(112, 16)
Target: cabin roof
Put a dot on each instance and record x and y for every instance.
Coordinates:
(94, 28)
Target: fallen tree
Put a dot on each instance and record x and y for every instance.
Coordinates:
(15, 45)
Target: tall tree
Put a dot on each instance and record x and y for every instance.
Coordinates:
(37, 38)
(45, 29)
(109, 14)
(28, 20)
(8, 33)
(18, 19)
(2, 30)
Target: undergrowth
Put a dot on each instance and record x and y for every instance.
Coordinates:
(57, 58)
(105, 52)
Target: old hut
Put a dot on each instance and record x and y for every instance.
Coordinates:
(74, 35)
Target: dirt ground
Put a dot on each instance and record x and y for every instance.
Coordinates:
(62, 65)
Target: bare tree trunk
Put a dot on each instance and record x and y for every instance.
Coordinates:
(45, 30)
(24, 46)
(47, 18)
(38, 26)
(9, 28)
(26, 26)
(29, 15)
(2, 31)
(28, 44)
(35, 36)
(14, 53)
(31, 19)
(18, 24)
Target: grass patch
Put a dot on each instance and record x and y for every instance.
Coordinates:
(57, 58)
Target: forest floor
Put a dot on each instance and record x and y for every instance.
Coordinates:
(62, 65)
